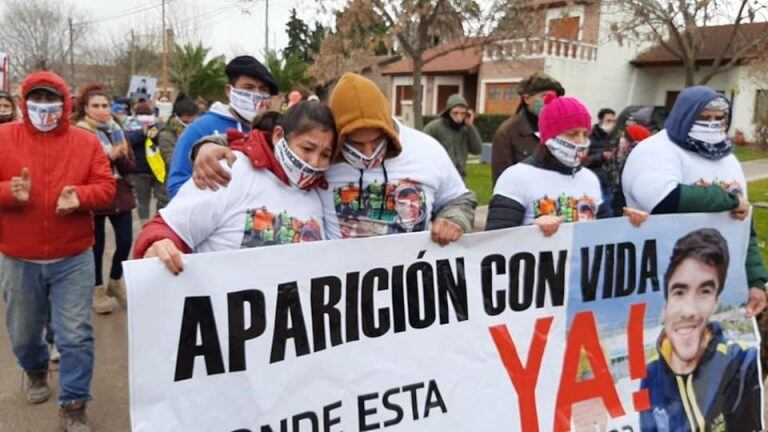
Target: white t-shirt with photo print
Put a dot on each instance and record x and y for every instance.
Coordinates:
(419, 181)
(255, 209)
(657, 165)
(545, 192)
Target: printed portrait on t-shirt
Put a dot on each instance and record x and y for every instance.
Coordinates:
(379, 209)
(263, 228)
(574, 209)
(732, 186)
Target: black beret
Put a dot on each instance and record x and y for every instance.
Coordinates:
(249, 66)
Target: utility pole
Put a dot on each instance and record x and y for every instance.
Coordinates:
(165, 54)
(71, 53)
(133, 53)
(266, 27)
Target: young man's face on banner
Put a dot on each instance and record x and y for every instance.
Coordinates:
(692, 299)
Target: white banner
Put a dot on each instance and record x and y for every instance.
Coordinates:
(397, 332)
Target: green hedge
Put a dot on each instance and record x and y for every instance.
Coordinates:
(486, 124)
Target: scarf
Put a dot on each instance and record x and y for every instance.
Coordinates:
(109, 133)
(715, 151)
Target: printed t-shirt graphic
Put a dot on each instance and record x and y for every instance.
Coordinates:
(546, 192)
(402, 207)
(264, 228)
(398, 197)
(255, 209)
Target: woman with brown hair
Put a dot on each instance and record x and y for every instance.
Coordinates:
(93, 113)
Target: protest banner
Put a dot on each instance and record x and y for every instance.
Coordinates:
(504, 330)
(142, 87)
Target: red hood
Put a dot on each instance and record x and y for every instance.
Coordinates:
(47, 79)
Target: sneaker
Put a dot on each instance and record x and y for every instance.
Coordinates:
(102, 303)
(72, 418)
(116, 289)
(55, 356)
(36, 388)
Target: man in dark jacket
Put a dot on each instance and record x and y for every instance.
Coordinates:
(601, 154)
(701, 380)
(455, 131)
(517, 137)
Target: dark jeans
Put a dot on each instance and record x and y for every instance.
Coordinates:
(122, 224)
(145, 186)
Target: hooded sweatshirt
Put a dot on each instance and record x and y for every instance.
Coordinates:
(65, 156)
(259, 207)
(416, 179)
(215, 121)
(458, 139)
(660, 176)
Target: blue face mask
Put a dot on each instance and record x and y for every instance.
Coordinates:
(708, 139)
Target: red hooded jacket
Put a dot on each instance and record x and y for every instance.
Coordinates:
(64, 156)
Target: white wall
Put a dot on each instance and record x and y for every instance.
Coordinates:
(604, 83)
(652, 85)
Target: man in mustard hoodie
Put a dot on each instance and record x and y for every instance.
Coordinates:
(383, 168)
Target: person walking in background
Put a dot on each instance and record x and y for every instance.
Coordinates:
(249, 88)
(689, 167)
(144, 126)
(456, 132)
(185, 111)
(632, 136)
(93, 114)
(517, 137)
(602, 154)
(7, 108)
(51, 180)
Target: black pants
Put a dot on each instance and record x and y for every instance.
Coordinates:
(122, 224)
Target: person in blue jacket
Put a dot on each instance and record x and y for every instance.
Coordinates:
(700, 380)
(249, 88)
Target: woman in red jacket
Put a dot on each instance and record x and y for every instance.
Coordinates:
(93, 113)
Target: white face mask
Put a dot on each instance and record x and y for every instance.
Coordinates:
(710, 132)
(300, 173)
(247, 104)
(568, 153)
(359, 160)
(607, 127)
(45, 116)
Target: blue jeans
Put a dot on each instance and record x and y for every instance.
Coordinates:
(68, 286)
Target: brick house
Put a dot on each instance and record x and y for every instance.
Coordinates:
(567, 40)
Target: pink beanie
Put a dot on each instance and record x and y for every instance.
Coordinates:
(561, 114)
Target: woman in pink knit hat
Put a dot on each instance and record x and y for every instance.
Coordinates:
(551, 187)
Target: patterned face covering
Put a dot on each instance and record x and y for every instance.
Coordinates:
(708, 139)
(300, 173)
(359, 160)
(568, 153)
(247, 104)
(45, 116)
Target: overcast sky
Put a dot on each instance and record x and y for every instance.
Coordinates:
(229, 27)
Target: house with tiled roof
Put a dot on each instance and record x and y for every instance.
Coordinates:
(568, 40)
(658, 76)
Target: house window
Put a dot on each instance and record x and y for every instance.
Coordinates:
(761, 106)
(501, 98)
(510, 94)
(494, 93)
(565, 28)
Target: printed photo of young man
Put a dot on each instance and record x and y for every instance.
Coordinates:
(701, 380)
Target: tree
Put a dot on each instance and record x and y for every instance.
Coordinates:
(298, 38)
(288, 71)
(411, 28)
(676, 25)
(192, 74)
(36, 34)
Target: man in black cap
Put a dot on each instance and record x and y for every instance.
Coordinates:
(517, 137)
(249, 87)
